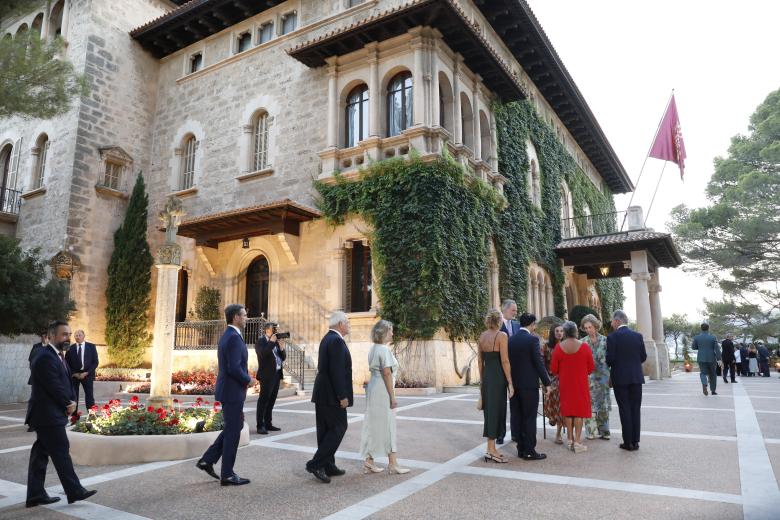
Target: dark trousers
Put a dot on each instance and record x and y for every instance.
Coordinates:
(524, 406)
(226, 445)
(745, 366)
(331, 427)
(89, 396)
(629, 401)
(52, 442)
(731, 366)
(763, 367)
(707, 370)
(269, 388)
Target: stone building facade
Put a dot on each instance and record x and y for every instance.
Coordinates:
(236, 107)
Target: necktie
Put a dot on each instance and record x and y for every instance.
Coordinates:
(78, 352)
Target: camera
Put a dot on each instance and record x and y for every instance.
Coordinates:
(280, 335)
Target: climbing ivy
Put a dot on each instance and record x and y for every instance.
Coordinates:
(432, 224)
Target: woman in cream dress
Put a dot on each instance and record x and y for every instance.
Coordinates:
(378, 438)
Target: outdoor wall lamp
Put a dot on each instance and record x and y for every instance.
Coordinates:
(245, 243)
(604, 269)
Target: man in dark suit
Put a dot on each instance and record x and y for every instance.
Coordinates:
(232, 382)
(270, 357)
(43, 343)
(525, 359)
(510, 327)
(729, 361)
(745, 360)
(51, 402)
(331, 395)
(708, 357)
(763, 360)
(82, 358)
(625, 355)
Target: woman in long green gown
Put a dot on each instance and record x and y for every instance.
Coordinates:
(598, 424)
(496, 380)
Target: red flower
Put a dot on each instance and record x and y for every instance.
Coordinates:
(78, 413)
(217, 403)
(134, 399)
(141, 418)
(176, 401)
(174, 421)
(93, 408)
(134, 407)
(150, 409)
(104, 407)
(74, 419)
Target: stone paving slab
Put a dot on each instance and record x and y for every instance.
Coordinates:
(769, 424)
(686, 421)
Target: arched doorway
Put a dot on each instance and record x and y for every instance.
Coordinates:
(257, 279)
(181, 297)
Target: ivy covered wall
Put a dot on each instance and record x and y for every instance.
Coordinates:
(432, 224)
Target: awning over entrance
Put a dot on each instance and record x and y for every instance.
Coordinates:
(609, 256)
(283, 216)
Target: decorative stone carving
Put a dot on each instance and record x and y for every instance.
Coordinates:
(169, 254)
(171, 218)
(64, 266)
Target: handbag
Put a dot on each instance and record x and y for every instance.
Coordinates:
(479, 401)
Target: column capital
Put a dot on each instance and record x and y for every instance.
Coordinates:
(640, 276)
(654, 287)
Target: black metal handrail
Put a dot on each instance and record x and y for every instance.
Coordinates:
(590, 225)
(204, 335)
(10, 201)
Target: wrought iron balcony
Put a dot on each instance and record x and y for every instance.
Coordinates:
(10, 201)
(591, 225)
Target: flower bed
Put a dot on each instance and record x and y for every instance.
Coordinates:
(199, 382)
(116, 434)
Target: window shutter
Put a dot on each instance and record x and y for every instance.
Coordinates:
(14, 167)
(42, 166)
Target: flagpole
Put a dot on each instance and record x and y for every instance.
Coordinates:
(647, 156)
(647, 215)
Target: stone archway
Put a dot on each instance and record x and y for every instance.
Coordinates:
(258, 282)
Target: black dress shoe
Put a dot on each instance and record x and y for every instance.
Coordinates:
(627, 447)
(636, 446)
(273, 428)
(499, 441)
(320, 474)
(83, 496)
(30, 429)
(262, 430)
(207, 467)
(334, 471)
(233, 480)
(41, 501)
(534, 456)
(714, 392)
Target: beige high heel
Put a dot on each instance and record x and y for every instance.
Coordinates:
(369, 467)
(397, 470)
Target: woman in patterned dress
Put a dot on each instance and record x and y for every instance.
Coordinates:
(598, 424)
(552, 408)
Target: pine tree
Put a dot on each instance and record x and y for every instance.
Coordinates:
(130, 284)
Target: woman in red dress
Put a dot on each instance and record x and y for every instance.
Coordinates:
(572, 361)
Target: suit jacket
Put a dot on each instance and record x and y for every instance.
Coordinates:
(52, 390)
(707, 345)
(727, 348)
(525, 360)
(33, 351)
(90, 360)
(625, 355)
(515, 328)
(763, 353)
(233, 376)
(334, 371)
(266, 362)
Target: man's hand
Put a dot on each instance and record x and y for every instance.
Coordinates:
(71, 408)
(393, 403)
(272, 339)
(344, 403)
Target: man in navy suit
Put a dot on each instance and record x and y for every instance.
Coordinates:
(510, 327)
(82, 358)
(625, 355)
(51, 402)
(232, 382)
(331, 395)
(525, 359)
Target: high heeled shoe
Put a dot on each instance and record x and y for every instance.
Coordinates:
(489, 457)
(579, 448)
(397, 470)
(369, 467)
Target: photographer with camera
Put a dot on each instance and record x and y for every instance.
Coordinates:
(270, 357)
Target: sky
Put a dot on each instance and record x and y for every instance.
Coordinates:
(722, 58)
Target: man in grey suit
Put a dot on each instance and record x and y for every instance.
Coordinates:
(709, 355)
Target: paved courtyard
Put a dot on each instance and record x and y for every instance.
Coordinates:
(715, 457)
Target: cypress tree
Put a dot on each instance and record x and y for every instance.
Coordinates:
(130, 284)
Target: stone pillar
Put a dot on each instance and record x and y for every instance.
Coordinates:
(640, 276)
(333, 104)
(339, 267)
(168, 265)
(477, 124)
(247, 149)
(530, 297)
(374, 96)
(46, 18)
(537, 297)
(457, 122)
(658, 325)
(435, 97)
(65, 19)
(550, 301)
(418, 84)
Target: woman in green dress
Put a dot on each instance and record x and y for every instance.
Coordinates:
(496, 380)
(598, 424)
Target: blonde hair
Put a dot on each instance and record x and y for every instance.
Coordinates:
(493, 319)
(380, 331)
(590, 318)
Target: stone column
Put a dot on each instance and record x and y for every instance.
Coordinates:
(530, 297)
(46, 18)
(537, 297)
(168, 265)
(247, 149)
(640, 276)
(457, 117)
(374, 96)
(339, 265)
(477, 124)
(658, 326)
(435, 98)
(550, 301)
(333, 104)
(418, 84)
(65, 19)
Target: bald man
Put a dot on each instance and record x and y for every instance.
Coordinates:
(82, 358)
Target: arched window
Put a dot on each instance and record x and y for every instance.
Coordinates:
(356, 116)
(399, 103)
(257, 284)
(9, 167)
(55, 20)
(485, 142)
(40, 151)
(260, 141)
(568, 230)
(22, 30)
(37, 24)
(466, 121)
(446, 106)
(187, 174)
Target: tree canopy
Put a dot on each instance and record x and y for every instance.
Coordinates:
(736, 238)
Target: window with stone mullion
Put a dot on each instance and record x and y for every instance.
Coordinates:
(113, 175)
(41, 166)
(357, 116)
(260, 139)
(399, 104)
(188, 164)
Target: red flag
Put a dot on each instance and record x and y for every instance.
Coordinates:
(668, 143)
